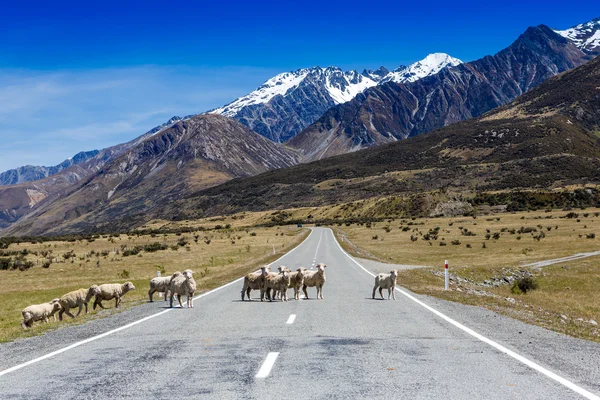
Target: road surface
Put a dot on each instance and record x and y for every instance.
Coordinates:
(346, 346)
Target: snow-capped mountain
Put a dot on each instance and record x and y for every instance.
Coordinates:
(430, 65)
(585, 36)
(289, 102)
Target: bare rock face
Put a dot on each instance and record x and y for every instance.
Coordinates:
(391, 111)
(452, 209)
(171, 164)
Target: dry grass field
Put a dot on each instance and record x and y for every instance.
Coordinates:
(483, 251)
(216, 256)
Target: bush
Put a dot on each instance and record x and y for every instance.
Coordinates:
(456, 243)
(5, 263)
(123, 274)
(156, 246)
(524, 285)
(590, 236)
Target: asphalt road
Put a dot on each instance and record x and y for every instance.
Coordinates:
(346, 346)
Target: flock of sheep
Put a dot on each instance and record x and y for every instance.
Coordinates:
(270, 284)
(77, 298)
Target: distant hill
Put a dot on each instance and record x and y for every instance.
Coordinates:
(190, 155)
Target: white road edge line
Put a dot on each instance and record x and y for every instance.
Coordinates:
(265, 370)
(291, 319)
(102, 335)
(497, 346)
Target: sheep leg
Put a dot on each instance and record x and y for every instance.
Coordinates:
(393, 292)
(150, 293)
(117, 302)
(98, 302)
(85, 304)
(374, 290)
(248, 291)
(60, 314)
(320, 291)
(179, 300)
(171, 304)
(68, 313)
(304, 290)
(167, 292)
(381, 292)
(80, 308)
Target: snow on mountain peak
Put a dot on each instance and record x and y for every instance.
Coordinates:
(430, 65)
(585, 36)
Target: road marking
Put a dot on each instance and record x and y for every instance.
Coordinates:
(316, 251)
(291, 319)
(102, 335)
(265, 370)
(497, 346)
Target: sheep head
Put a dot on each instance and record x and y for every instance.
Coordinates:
(127, 286)
(283, 268)
(55, 305)
(321, 267)
(394, 274)
(301, 272)
(188, 273)
(265, 270)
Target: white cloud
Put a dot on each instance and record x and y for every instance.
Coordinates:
(46, 117)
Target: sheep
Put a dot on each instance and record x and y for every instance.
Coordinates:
(183, 285)
(77, 298)
(386, 281)
(315, 278)
(296, 280)
(39, 312)
(109, 291)
(254, 281)
(278, 282)
(161, 285)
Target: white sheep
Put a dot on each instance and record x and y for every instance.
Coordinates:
(77, 298)
(315, 279)
(183, 285)
(386, 281)
(109, 291)
(254, 281)
(160, 285)
(278, 282)
(39, 312)
(296, 280)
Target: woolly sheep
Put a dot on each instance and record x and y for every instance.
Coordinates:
(386, 281)
(183, 285)
(315, 279)
(160, 285)
(77, 298)
(109, 291)
(254, 281)
(39, 312)
(277, 282)
(296, 280)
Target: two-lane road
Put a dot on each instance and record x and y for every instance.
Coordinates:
(345, 346)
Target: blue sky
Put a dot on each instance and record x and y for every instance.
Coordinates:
(76, 76)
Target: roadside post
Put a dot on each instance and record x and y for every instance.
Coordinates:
(446, 275)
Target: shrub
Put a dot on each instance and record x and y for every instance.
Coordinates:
(442, 243)
(375, 237)
(252, 233)
(590, 236)
(156, 246)
(123, 274)
(456, 243)
(526, 284)
(5, 263)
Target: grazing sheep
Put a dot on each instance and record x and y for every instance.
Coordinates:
(296, 280)
(254, 281)
(39, 312)
(277, 282)
(77, 298)
(386, 281)
(315, 279)
(109, 291)
(183, 285)
(160, 285)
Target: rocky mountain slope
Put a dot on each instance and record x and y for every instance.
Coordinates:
(392, 111)
(289, 102)
(192, 154)
(549, 137)
(20, 199)
(30, 173)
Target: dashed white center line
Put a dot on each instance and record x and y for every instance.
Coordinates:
(265, 370)
(291, 319)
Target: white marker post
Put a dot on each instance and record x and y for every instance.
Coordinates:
(446, 275)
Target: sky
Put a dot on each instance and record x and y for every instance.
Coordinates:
(78, 76)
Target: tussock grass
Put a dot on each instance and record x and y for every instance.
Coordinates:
(213, 264)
